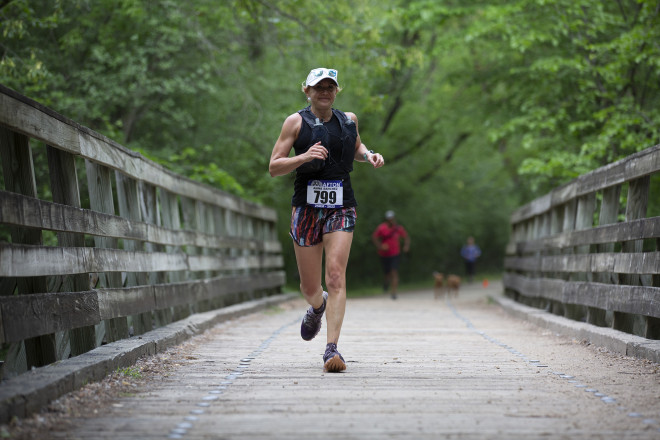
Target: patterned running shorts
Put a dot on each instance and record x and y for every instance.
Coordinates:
(308, 224)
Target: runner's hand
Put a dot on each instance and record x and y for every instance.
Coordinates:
(316, 151)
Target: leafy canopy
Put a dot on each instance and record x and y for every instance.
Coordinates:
(477, 106)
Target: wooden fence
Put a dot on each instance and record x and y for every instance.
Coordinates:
(152, 247)
(587, 250)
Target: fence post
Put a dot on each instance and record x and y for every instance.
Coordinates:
(150, 214)
(189, 210)
(609, 214)
(568, 225)
(18, 171)
(129, 207)
(584, 219)
(215, 221)
(64, 186)
(231, 228)
(205, 225)
(169, 208)
(149, 204)
(638, 196)
(99, 184)
(556, 223)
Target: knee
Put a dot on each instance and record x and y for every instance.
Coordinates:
(335, 279)
(308, 290)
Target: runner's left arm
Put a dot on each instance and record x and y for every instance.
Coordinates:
(376, 159)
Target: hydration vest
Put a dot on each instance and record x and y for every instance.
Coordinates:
(320, 133)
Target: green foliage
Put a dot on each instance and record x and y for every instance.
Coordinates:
(22, 65)
(132, 372)
(477, 106)
(187, 163)
(579, 81)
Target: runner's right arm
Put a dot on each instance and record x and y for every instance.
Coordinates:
(280, 162)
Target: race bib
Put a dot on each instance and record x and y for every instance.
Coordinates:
(325, 193)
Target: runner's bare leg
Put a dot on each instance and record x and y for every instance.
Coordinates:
(310, 260)
(337, 249)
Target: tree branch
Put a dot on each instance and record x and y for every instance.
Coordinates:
(457, 143)
(408, 40)
(299, 22)
(421, 142)
(398, 101)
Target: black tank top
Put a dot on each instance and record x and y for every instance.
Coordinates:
(333, 169)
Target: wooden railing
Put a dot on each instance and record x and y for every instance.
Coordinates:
(587, 250)
(152, 247)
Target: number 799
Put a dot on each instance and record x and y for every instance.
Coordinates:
(325, 197)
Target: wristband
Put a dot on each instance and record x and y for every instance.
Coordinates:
(365, 154)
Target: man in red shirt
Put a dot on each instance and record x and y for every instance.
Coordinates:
(386, 238)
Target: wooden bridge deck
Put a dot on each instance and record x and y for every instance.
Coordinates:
(417, 369)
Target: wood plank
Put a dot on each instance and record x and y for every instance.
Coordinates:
(30, 212)
(177, 294)
(34, 213)
(609, 214)
(127, 301)
(134, 165)
(99, 185)
(129, 207)
(629, 168)
(169, 215)
(64, 186)
(455, 382)
(18, 174)
(171, 218)
(123, 302)
(224, 263)
(638, 196)
(625, 231)
(32, 261)
(115, 303)
(101, 199)
(30, 118)
(148, 203)
(640, 263)
(639, 300)
(585, 213)
(533, 208)
(635, 166)
(28, 316)
(189, 213)
(479, 389)
(2, 332)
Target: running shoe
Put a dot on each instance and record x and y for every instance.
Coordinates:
(311, 323)
(333, 362)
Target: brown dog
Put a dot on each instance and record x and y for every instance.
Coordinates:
(453, 284)
(439, 280)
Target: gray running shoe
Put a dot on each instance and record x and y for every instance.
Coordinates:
(311, 323)
(333, 362)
